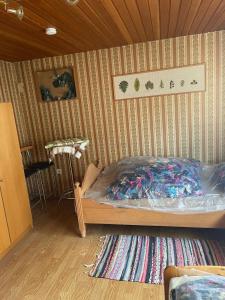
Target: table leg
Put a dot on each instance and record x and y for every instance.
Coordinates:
(69, 194)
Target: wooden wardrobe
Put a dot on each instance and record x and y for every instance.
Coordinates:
(15, 213)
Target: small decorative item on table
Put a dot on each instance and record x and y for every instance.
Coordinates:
(74, 148)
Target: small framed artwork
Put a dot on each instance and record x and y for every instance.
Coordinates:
(56, 84)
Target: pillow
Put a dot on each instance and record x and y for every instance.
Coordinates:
(164, 178)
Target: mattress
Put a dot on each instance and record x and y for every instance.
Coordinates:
(210, 202)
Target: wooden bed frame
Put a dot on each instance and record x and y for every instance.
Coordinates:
(91, 212)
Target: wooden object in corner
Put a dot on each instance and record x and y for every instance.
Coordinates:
(15, 210)
(4, 231)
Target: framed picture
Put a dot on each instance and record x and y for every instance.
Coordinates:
(187, 79)
(56, 84)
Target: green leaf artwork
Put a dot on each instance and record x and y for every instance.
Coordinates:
(123, 86)
(161, 84)
(182, 82)
(194, 82)
(137, 84)
(172, 84)
(149, 85)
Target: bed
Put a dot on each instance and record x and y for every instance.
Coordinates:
(92, 208)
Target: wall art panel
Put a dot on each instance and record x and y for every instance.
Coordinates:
(180, 80)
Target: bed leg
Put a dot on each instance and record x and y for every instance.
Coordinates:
(79, 209)
(83, 231)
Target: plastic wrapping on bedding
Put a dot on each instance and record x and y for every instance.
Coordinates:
(158, 178)
(216, 180)
(211, 200)
(197, 287)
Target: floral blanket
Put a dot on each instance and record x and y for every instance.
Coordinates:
(163, 178)
(199, 288)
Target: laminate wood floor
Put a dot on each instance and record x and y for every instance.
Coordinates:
(49, 262)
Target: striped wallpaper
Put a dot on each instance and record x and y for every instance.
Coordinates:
(188, 125)
(9, 93)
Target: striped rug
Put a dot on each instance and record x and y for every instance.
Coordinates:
(144, 258)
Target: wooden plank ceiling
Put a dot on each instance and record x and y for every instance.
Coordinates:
(95, 24)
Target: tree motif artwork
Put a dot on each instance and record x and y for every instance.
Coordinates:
(56, 84)
(123, 86)
(149, 85)
(161, 84)
(194, 82)
(182, 82)
(172, 84)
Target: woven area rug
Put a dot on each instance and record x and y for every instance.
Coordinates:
(144, 258)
